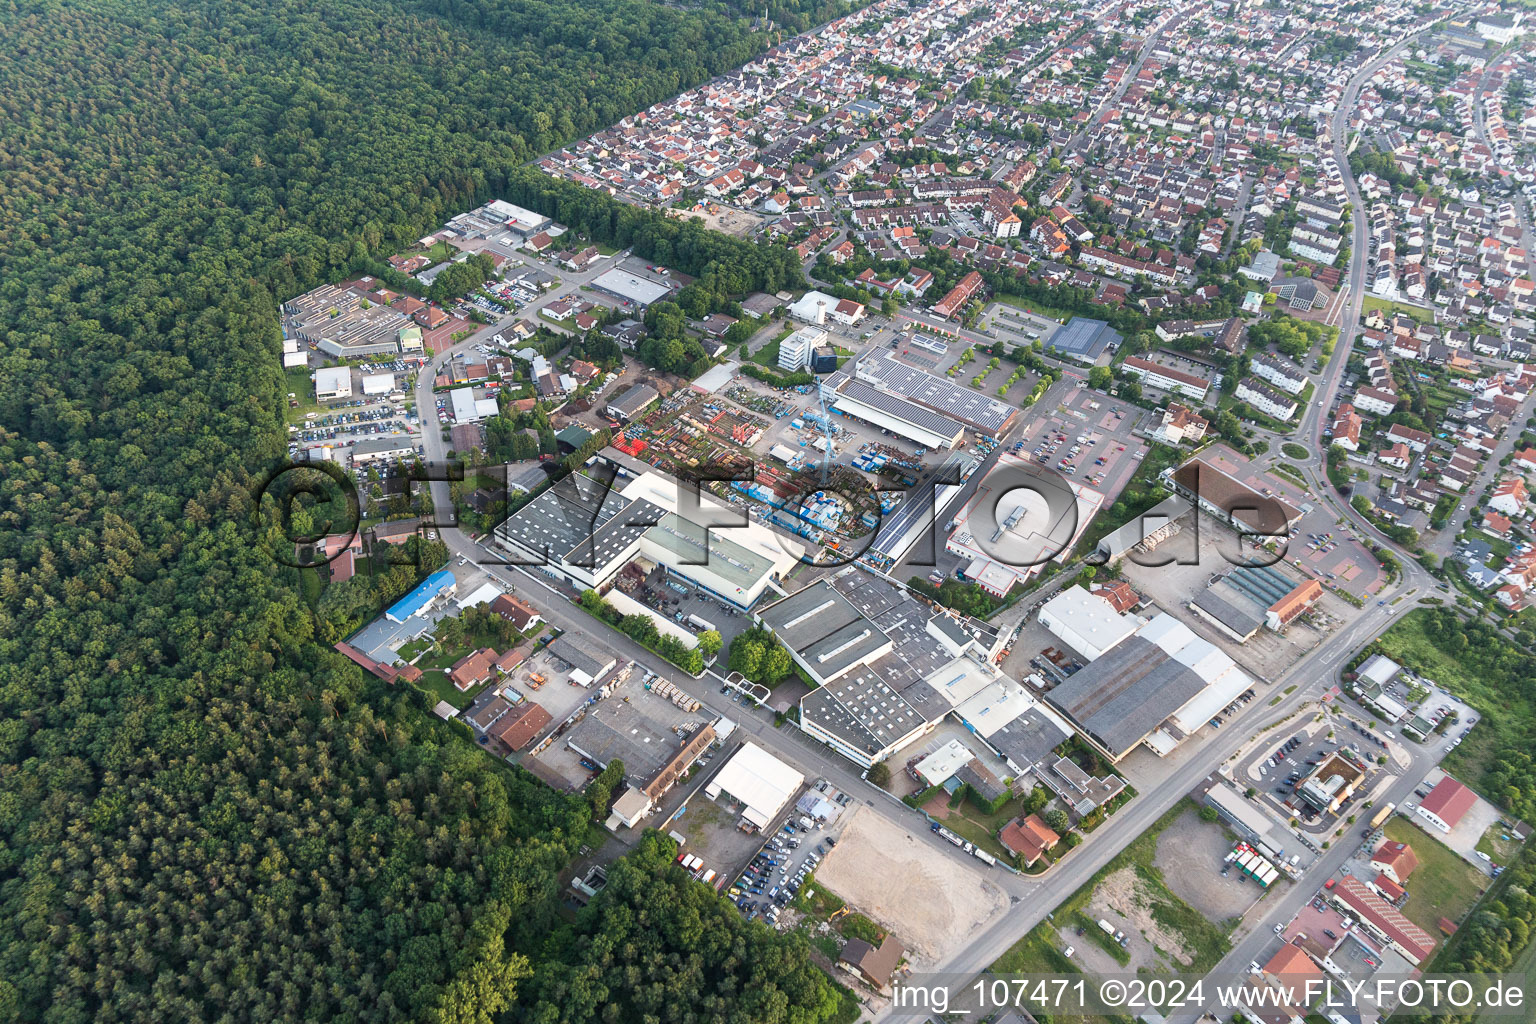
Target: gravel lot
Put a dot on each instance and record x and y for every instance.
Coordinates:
(930, 901)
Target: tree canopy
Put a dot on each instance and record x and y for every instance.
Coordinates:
(206, 813)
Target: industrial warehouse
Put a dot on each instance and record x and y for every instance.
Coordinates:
(1019, 520)
(585, 532)
(1146, 681)
(888, 670)
(921, 407)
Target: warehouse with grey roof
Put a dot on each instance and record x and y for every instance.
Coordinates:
(1084, 339)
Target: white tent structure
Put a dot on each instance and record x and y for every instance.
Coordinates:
(759, 781)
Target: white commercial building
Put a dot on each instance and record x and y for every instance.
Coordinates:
(758, 781)
(818, 307)
(938, 767)
(1085, 622)
(585, 532)
(469, 409)
(1007, 537)
(795, 350)
(485, 594)
(638, 291)
(1224, 680)
(332, 382)
(378, 383)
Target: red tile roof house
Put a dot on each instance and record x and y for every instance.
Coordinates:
(1395, 860)
(1389, 890)
(516, 611)
(1028, 838)
(1446, 804)
(1382, 920)
(517, 728)
(473, 668)
(1294, 973)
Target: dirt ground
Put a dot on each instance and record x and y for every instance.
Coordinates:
(1189, 854)
(732, 222)
(931, 902)
(1119, 899)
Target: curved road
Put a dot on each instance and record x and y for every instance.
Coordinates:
(1033, 897)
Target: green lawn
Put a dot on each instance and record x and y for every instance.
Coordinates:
(1500, 720)
(1208, 940)
(1291, 473)
(1387, 306)
(768, 355)
(1501, 850)
(1443, 885)
(1040, 952)
(1030, 306)
(434, 667)
(436, 683)
(970, 822)
(297, 383)
(1292, 450)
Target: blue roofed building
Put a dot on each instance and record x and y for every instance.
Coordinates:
(1084, 339)
(417, 599)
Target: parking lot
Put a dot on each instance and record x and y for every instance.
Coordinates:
(355, 422)
(1099, 428)
(785, 857)
(1286, 758)
(1014, 326)
(1346, 564)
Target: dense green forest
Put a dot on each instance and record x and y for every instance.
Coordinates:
(204, 813)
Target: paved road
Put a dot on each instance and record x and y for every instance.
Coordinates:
(1032, 897)
(1480, 125)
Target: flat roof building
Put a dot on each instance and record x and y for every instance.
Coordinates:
(335, 320)
(891, 412)
(333, 382)
(378, 383)
(1086, 622)
(757, 780)
(1084, 339)
(1157, 686)
(589, 661)
(421, 595)
(889, 669)
(584, 531)
(638, 291)
(655, 754)
(977, 411)
(381, 449)
(796, 350)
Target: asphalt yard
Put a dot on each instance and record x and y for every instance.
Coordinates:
(1105, 435)
(1341, 562)
(1196, 558)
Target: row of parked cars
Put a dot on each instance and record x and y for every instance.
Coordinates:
(769, 877)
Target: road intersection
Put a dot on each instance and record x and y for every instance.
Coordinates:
(1031, 897)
